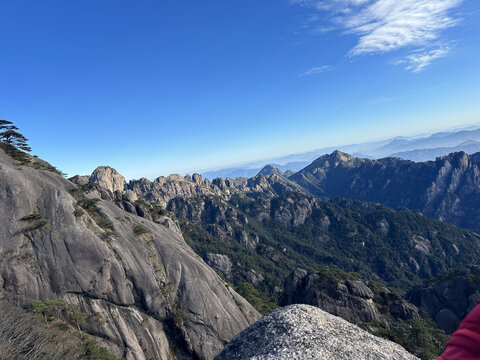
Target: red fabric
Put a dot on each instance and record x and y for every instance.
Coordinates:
(465, 342)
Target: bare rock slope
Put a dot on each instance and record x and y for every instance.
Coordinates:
(146, 292)
(304, 332)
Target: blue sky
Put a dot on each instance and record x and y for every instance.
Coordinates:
(156, 87)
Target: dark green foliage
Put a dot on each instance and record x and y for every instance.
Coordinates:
(51, 309)
(32, 216)
(95, 352)
(179, 317)
(88, 204)
(37, 225)
(154, 208)
(78, 212)
(258, 299)
(139, 229)
(79, 191)
(94, 211)
(334, 274)
(46, 166)
(421, 337)
(104, 223)
(14, 143)
(79, 318)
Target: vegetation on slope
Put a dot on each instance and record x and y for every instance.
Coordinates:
(42, 335)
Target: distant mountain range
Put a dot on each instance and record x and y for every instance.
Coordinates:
(417, 148)
(470, 147)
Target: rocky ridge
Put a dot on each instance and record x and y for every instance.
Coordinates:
(146, 293)
(446, 189)
(304, 332)
(164, 189)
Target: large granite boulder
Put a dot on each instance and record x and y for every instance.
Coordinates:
(108, 178)
(304, 332)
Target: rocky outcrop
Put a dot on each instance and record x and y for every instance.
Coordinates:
(350, 299)
(146, 293)
(449, 300)
(447, 189)
(164, 189)
(220, 263)
(304, 332)
(108, 178)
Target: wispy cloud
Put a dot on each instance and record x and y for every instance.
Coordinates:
(386, 25)
(316, 70)
(419, 61)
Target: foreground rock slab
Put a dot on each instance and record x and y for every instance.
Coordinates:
(304, 332)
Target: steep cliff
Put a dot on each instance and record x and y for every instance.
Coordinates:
(146, 293)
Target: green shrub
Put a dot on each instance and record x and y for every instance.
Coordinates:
(179, 317)
(37, 225)
(88, 204)
(258, 299)
(139, 230)
(78, 212)
(32, 216)
(96, 352)
(104, 223)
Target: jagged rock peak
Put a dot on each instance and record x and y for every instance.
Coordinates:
(338, 156)
(270, 170)
(108, 178)
(304, 332)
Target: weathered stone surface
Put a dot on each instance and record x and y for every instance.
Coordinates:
(221, 263)
(137, 284)
(108, 178)
(304, 332)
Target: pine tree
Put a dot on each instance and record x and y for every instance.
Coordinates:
(14, 143)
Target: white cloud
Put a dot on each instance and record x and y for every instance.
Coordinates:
(317, 70)
(417, 62)
(386, 25)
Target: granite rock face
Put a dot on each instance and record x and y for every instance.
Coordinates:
(304, 332)
(147, 294)
(108, 178)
